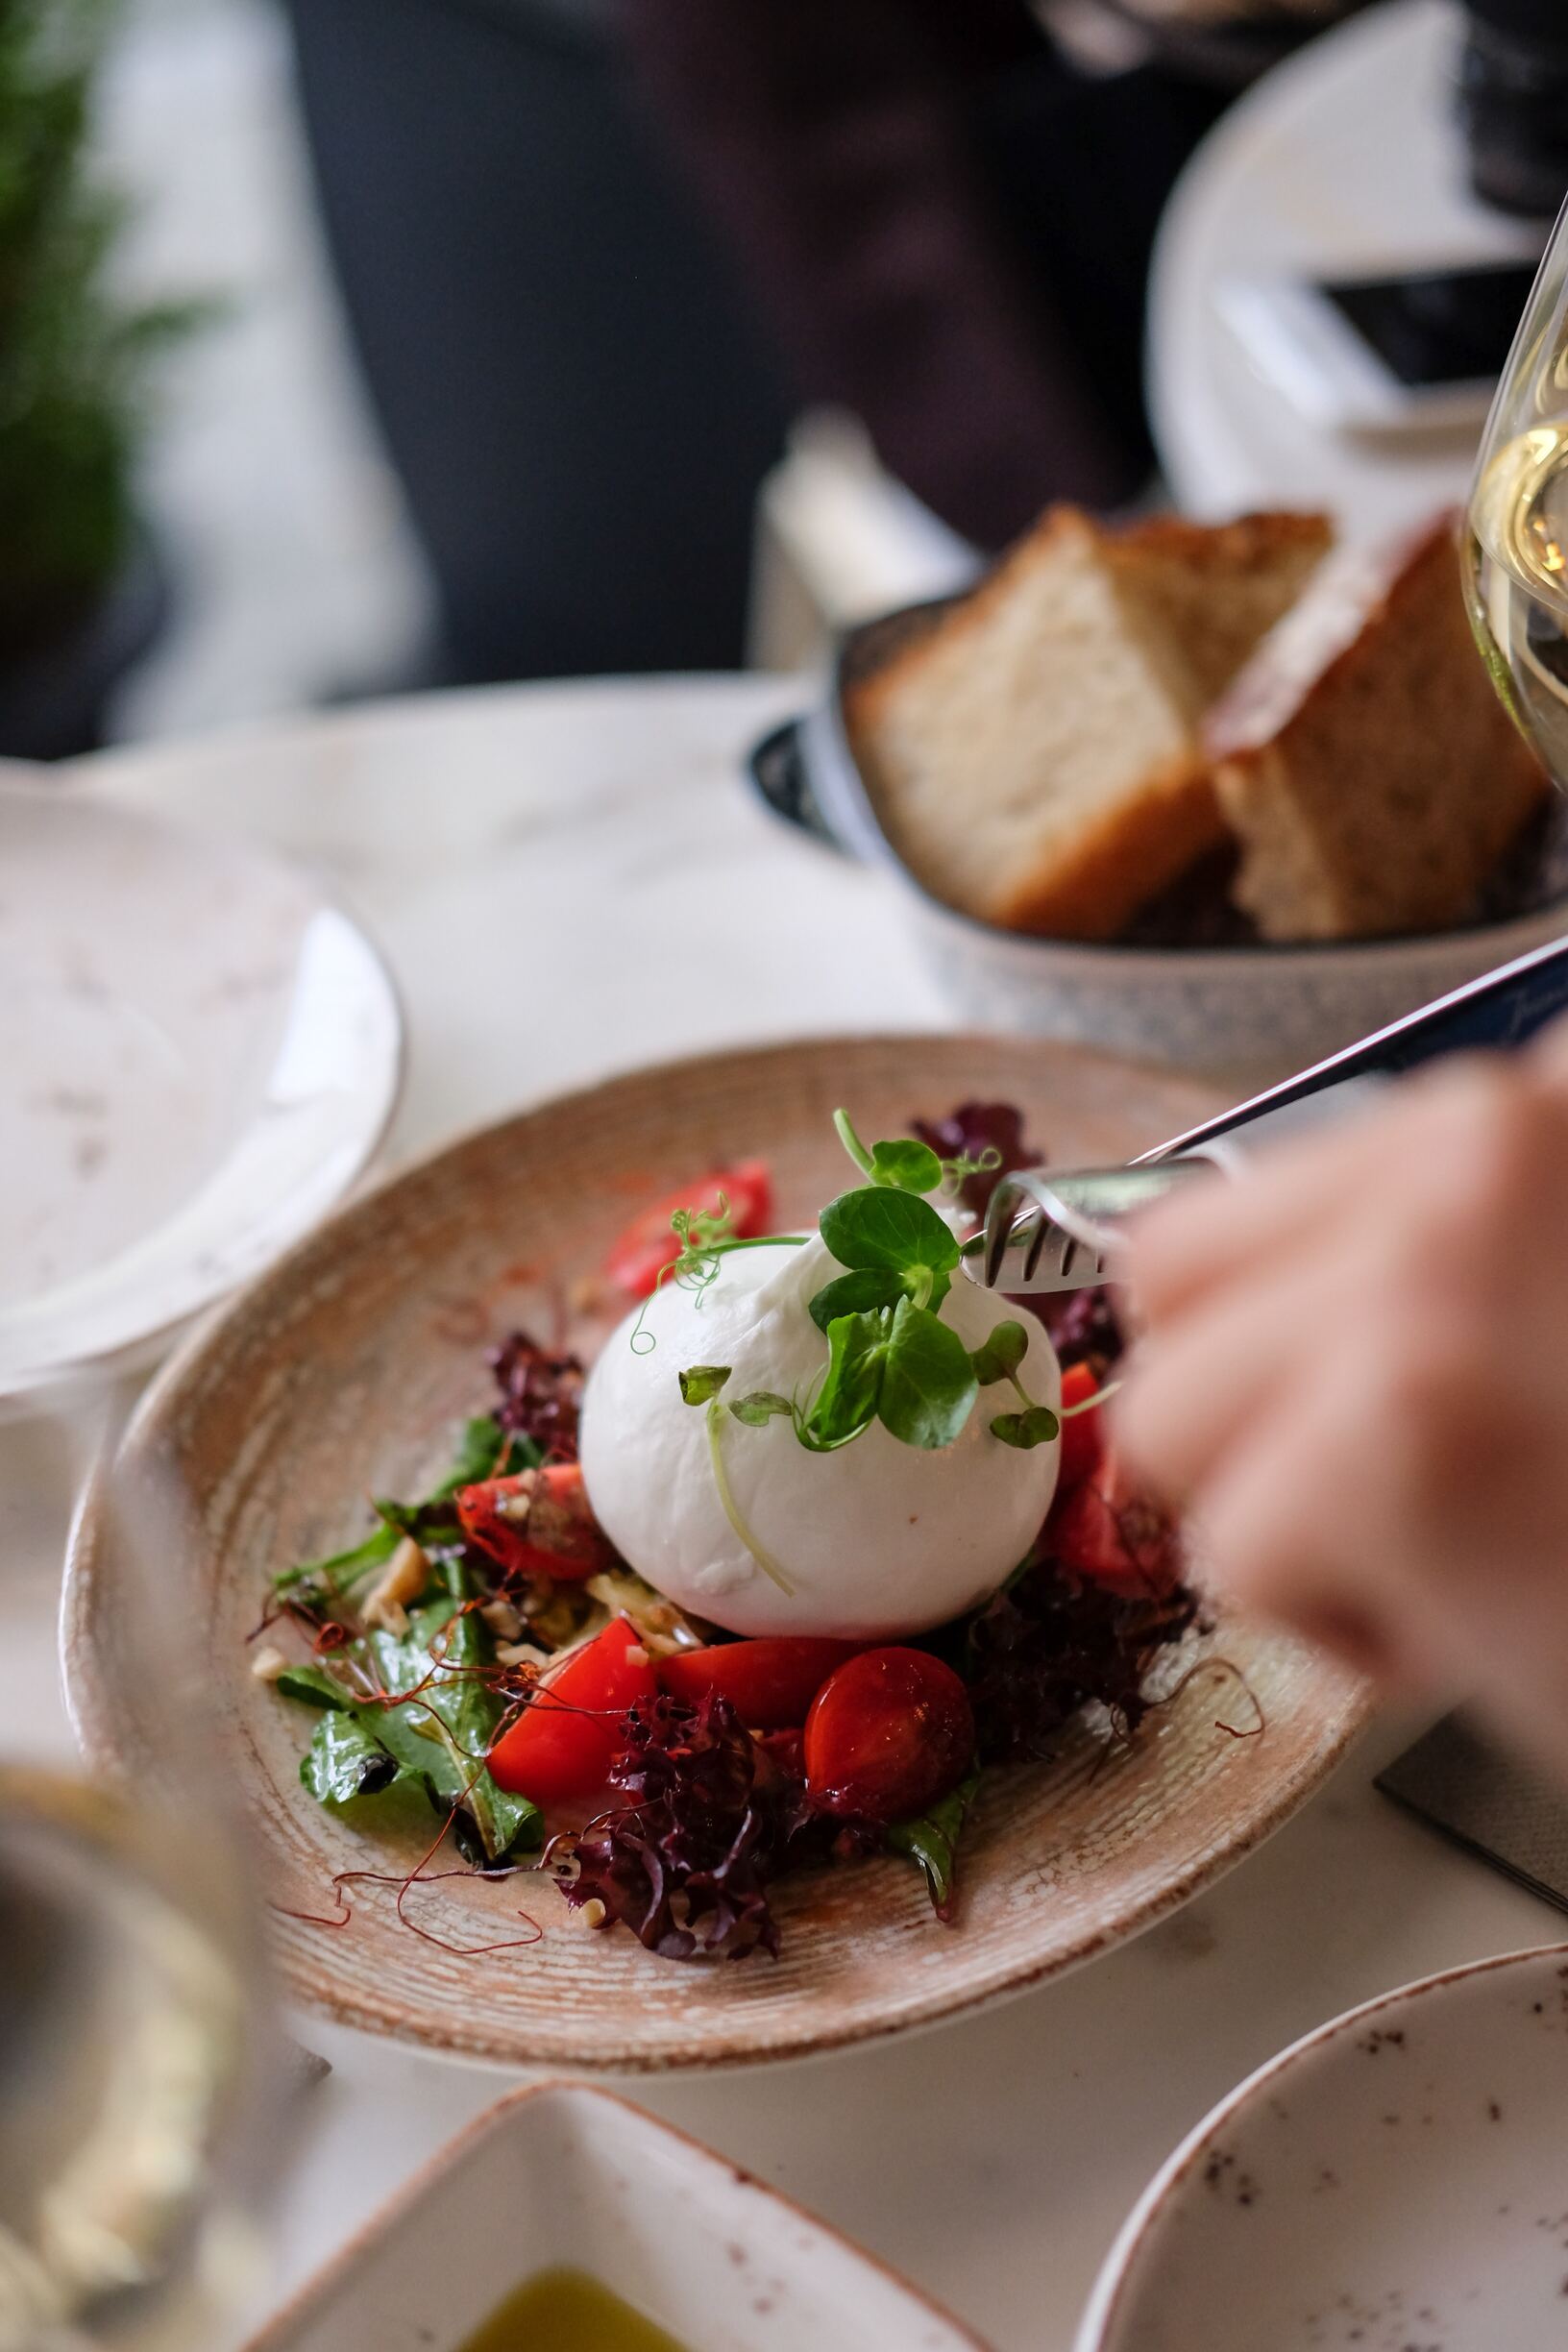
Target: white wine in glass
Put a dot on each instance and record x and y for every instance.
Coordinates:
(142, 2092)
(1516, 542)
(123, 2031)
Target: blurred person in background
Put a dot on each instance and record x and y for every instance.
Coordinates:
(596, 253)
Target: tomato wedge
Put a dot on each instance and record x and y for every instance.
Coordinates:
(1083, 1436)
(1104, 1531)
(568, 1734)
(646, 1246)
(536, 1522)
(889, 1732)
(771, 1682)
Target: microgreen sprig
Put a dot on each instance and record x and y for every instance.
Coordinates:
(891, 1358)
(998, 1359)
(705, 1237)
(701, 1385)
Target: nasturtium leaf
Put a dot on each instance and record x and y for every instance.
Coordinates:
(932, 1840)
(702, 1383)
(846, 1401)
(345, 1759)
(859, 1293)
(763, 1404)
(1023, 1430)
(879, 1226)
(928, 1385)
(1000, 1357)
(905, 1165)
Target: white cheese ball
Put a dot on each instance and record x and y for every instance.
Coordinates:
(879, 1539)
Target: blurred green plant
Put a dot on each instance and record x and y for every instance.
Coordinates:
(76, 361)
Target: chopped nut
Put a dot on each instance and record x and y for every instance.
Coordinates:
(521, 1654)
(593, 1913)
(501, 1618)
(636, 1655)
(268, 1662)
(402, 1579)
(587, 1295)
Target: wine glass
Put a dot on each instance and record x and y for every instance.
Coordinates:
(1515, 555)
(141, 2093)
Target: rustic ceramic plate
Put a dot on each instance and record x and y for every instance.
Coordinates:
(1394, 2181)
(341, 1374)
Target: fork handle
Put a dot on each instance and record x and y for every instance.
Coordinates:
(1503, 1009)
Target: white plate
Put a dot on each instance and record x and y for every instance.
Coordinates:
(200, 1054)
(1393, 2183)
(565, 2175)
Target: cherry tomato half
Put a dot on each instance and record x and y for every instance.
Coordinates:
(567, 1737)
(771, 1682)
(1104, 1531)
(1083, 1436)
(889, 1732)
(646, 1246)
(536, 1522)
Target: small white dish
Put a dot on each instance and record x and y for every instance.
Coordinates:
(1392, 2183)
(561, 2175)
(201, 1053)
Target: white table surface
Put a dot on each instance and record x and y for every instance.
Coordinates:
(1345, 159)
(568, 880)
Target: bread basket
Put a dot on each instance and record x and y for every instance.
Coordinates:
(1241, 1009)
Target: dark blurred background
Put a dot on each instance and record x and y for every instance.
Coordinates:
(519, 298)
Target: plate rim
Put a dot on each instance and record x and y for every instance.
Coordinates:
(29, 1392)
(472, 2042)
(1107, 2305)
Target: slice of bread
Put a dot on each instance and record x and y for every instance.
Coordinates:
(1363, 760)
(1035, 757)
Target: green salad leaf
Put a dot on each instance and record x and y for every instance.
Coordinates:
(312, 1686)
(440, 1737)
(437, 1737)
(345, 1759)
(932, 1842)
(483, 1451)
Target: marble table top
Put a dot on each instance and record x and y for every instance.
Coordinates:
(486, 838)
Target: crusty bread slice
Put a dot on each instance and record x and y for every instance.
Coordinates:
(1362, 758)
(1035, 757)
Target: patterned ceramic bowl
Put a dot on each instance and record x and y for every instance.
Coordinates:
(1241, 1008)
(1394, 2180)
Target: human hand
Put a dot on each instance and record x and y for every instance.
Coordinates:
(1353, 1379)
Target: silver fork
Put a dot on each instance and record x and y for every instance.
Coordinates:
(1056, 1230)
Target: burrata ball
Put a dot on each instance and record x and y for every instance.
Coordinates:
(878, 1539)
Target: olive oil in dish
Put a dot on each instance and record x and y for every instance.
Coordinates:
(566, 2310)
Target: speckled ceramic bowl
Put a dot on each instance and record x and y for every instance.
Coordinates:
(564, 2176)
(1393, 2183)
(1250, 1011)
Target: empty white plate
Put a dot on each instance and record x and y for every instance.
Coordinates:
(199, 1052)
(1393, 2183)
